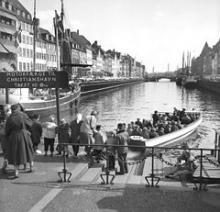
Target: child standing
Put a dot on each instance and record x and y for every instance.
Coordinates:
(49, 135)
(99, 139)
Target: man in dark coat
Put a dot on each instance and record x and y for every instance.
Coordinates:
(75, 133)
(63, 137)
(36, 132)
(122, 138)
(20, 150)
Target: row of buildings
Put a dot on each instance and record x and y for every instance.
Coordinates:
(207, 64)
(17, 40)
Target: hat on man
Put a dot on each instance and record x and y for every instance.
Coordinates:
(94, 113)
(14, 107)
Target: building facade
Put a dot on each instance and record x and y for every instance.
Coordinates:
(8, 38)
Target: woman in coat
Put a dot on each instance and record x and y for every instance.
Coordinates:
(20, 150)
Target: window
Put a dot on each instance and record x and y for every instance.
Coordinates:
(24, 52)
(20, 66)
(6, 5)
(28, 54)
(22, 26)
(20, 51)
(31, 40)
(24, 66)
(18, 12)
(28, 67)
(23, 38)
(23, 14)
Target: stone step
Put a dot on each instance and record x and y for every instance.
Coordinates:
(82, 173)
(91, 175)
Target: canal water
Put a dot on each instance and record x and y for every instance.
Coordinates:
(140, 100)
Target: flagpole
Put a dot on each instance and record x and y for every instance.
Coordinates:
(34, 37)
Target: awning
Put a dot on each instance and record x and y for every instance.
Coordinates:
(2, 49)
(11, 49)
(8, 30)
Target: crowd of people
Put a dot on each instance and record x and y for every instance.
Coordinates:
(161, 123)
(22, 136)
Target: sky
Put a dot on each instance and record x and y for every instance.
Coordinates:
(154, 32)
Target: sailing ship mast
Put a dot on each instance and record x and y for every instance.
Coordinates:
(58, 26)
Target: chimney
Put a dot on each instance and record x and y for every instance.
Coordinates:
(77, 32)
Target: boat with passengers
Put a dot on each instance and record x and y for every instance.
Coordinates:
(175, 136)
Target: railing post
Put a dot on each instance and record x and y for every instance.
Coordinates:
(152, 168)
(64, 163)
(64, 171)
(107, 167)
(216, 143)
(200, 176)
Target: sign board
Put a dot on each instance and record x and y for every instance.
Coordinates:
(37, 79)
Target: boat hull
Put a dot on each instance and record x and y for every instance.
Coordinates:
(213, 86)
(100, 85)
(167, 140)
(47, 107)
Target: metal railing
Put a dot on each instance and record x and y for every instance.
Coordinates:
(153, 152)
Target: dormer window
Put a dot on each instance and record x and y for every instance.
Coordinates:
(6, 5)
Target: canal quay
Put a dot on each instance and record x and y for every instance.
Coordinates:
(41, 191)
(167, 161)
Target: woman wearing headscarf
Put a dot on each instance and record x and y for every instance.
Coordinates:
(20, 150)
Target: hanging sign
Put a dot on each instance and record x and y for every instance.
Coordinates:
(37, 79)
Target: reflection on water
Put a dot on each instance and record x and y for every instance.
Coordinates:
(140, 100)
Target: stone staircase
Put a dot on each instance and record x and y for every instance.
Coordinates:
(136, 175)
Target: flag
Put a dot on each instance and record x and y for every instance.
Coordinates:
(17, 36)
(59, 25)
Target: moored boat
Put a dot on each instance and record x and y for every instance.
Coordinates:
(212, 85)
(169, 139)
(190, 82)
(45, 106)
(100, 85)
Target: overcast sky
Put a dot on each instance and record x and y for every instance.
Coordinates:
(155, 32)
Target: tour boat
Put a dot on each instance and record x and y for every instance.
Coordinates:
(168, 139)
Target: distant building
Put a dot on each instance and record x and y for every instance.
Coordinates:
(203, 65)
(25, 31)
(9, 35)
(116, 62)
(216, 59)
(98, 55)
(47, 51)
